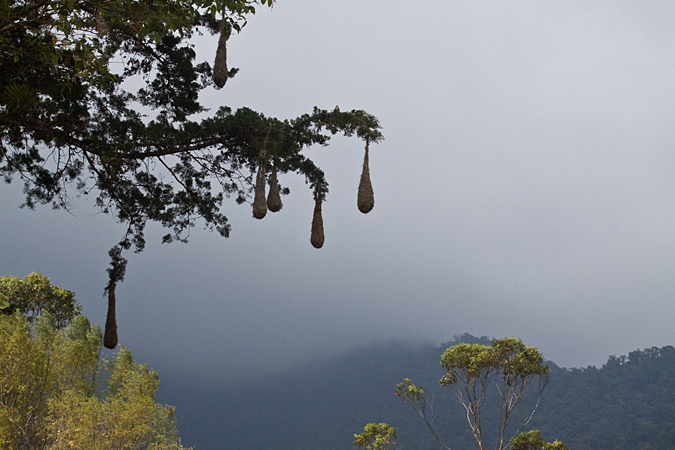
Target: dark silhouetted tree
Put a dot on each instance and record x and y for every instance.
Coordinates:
(69, 128)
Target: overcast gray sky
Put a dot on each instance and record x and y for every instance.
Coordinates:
(524, 188)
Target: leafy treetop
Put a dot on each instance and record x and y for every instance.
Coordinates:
(376, 436)
(506, 366)
(532, 441)
(35, 295)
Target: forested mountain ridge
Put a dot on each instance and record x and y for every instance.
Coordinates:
(628, 403)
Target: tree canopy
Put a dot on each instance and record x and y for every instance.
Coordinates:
(532, 441)
(35, 295)
(376, 436)
(68, 128)
(58, 392)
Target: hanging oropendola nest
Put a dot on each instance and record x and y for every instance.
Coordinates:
(102, 25)
(365, 198)
(110, 336)
(220, 65)
(317, 237)
(274, 197)
(259, 203)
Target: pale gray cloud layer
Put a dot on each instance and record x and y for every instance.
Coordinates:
(525, 188)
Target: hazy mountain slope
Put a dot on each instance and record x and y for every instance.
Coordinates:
(629, 403)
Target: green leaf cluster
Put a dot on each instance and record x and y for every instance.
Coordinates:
(376, 436)
(127, 416)
(39, 362)
(506, 358)
(532, 441)
(34, 295)
(410, 392)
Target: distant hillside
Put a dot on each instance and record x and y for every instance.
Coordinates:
(628, 403)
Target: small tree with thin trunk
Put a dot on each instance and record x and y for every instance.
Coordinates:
(474, 370)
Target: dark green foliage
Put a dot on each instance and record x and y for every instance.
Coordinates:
(64, 131)
(628, 403)
(68, 128)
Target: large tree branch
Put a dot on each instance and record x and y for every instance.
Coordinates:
(15, 20)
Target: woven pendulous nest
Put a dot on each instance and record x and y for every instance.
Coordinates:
(274, 197)
(102, 25)
(365, 199)
(220, 64)
(317, 236)
(259, 204)
(110, 336)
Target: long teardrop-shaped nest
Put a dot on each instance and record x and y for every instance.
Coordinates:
(317, 237)
(220, 64)
(259, 204)
(274, 203)
(365, 199)
(102, 25)
(110, 336)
